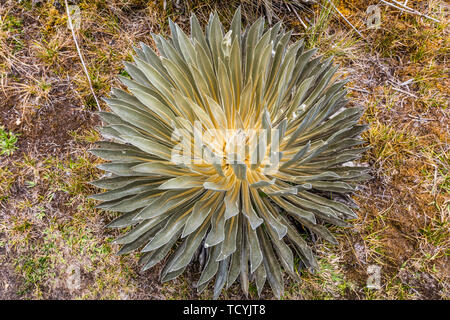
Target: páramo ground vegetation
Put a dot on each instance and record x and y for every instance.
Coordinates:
(53, 243)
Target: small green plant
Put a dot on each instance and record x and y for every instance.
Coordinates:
(8, 142)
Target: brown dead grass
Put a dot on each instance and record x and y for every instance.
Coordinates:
(50, 233)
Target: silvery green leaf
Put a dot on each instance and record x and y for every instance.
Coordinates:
(256, 255)
(192, 244)
(183, 182)
(124, 220)
(174, 224)
(273, 270)
(247, 208)
(295, 211)
(217, 233)
(201, 210)
(235, 264)
(168, 201)
(158, 254)
(130, 189)
(260, 276)
(143, 227)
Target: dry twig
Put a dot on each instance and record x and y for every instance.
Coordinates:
(69, 20)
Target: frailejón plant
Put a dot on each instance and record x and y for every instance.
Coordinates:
(228, 147)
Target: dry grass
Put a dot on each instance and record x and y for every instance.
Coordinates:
(51, 235)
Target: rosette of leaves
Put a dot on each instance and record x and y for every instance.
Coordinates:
(244, 219)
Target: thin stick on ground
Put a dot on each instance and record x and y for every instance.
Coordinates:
(69, 20)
